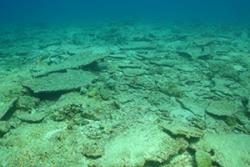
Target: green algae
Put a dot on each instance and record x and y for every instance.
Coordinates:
(203, 159)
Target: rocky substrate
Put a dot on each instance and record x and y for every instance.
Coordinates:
(148, 96)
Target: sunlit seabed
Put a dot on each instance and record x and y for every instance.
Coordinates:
(125, 94)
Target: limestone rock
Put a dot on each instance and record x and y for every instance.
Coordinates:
(181, 160)
(105, 93)
(164, 62)
(170, 89)
(223, 108)
(67, 112)
(27, 102)
(129, 64)
(74, 62)
(230, 150)
(92, 150)
(95, 131)
(182, 129)
(133, 72)
(138, 145)
(34, 117)
(28, 145)
(135, 46)
(195, 105)
(57, 82)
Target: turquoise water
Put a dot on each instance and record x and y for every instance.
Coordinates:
(124, 84)
(223, 10)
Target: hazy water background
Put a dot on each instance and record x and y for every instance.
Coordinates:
(96, 10)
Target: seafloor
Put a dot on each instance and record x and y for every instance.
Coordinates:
(125, 94)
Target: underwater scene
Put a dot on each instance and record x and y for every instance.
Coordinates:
(124, 83)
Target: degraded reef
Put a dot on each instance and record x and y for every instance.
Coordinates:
(125, 94)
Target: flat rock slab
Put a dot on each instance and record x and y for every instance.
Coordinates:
(138, 145)
(31, 117)
(182, 129)
(195, 105)
(72, 63)
(223, 108)
(139, 46)
(230, 150)
(164, 62)
(133, 72)
(5, 108)
(57, 82)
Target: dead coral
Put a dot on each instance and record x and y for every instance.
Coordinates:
(67, 112)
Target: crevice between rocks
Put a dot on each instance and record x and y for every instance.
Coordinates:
(52, 96)
(10, 111)
(189, 149)
(190, 140)
(185, 107)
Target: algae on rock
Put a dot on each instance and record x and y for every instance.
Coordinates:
(203, 159)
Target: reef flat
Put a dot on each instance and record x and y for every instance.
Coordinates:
(125, 94)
